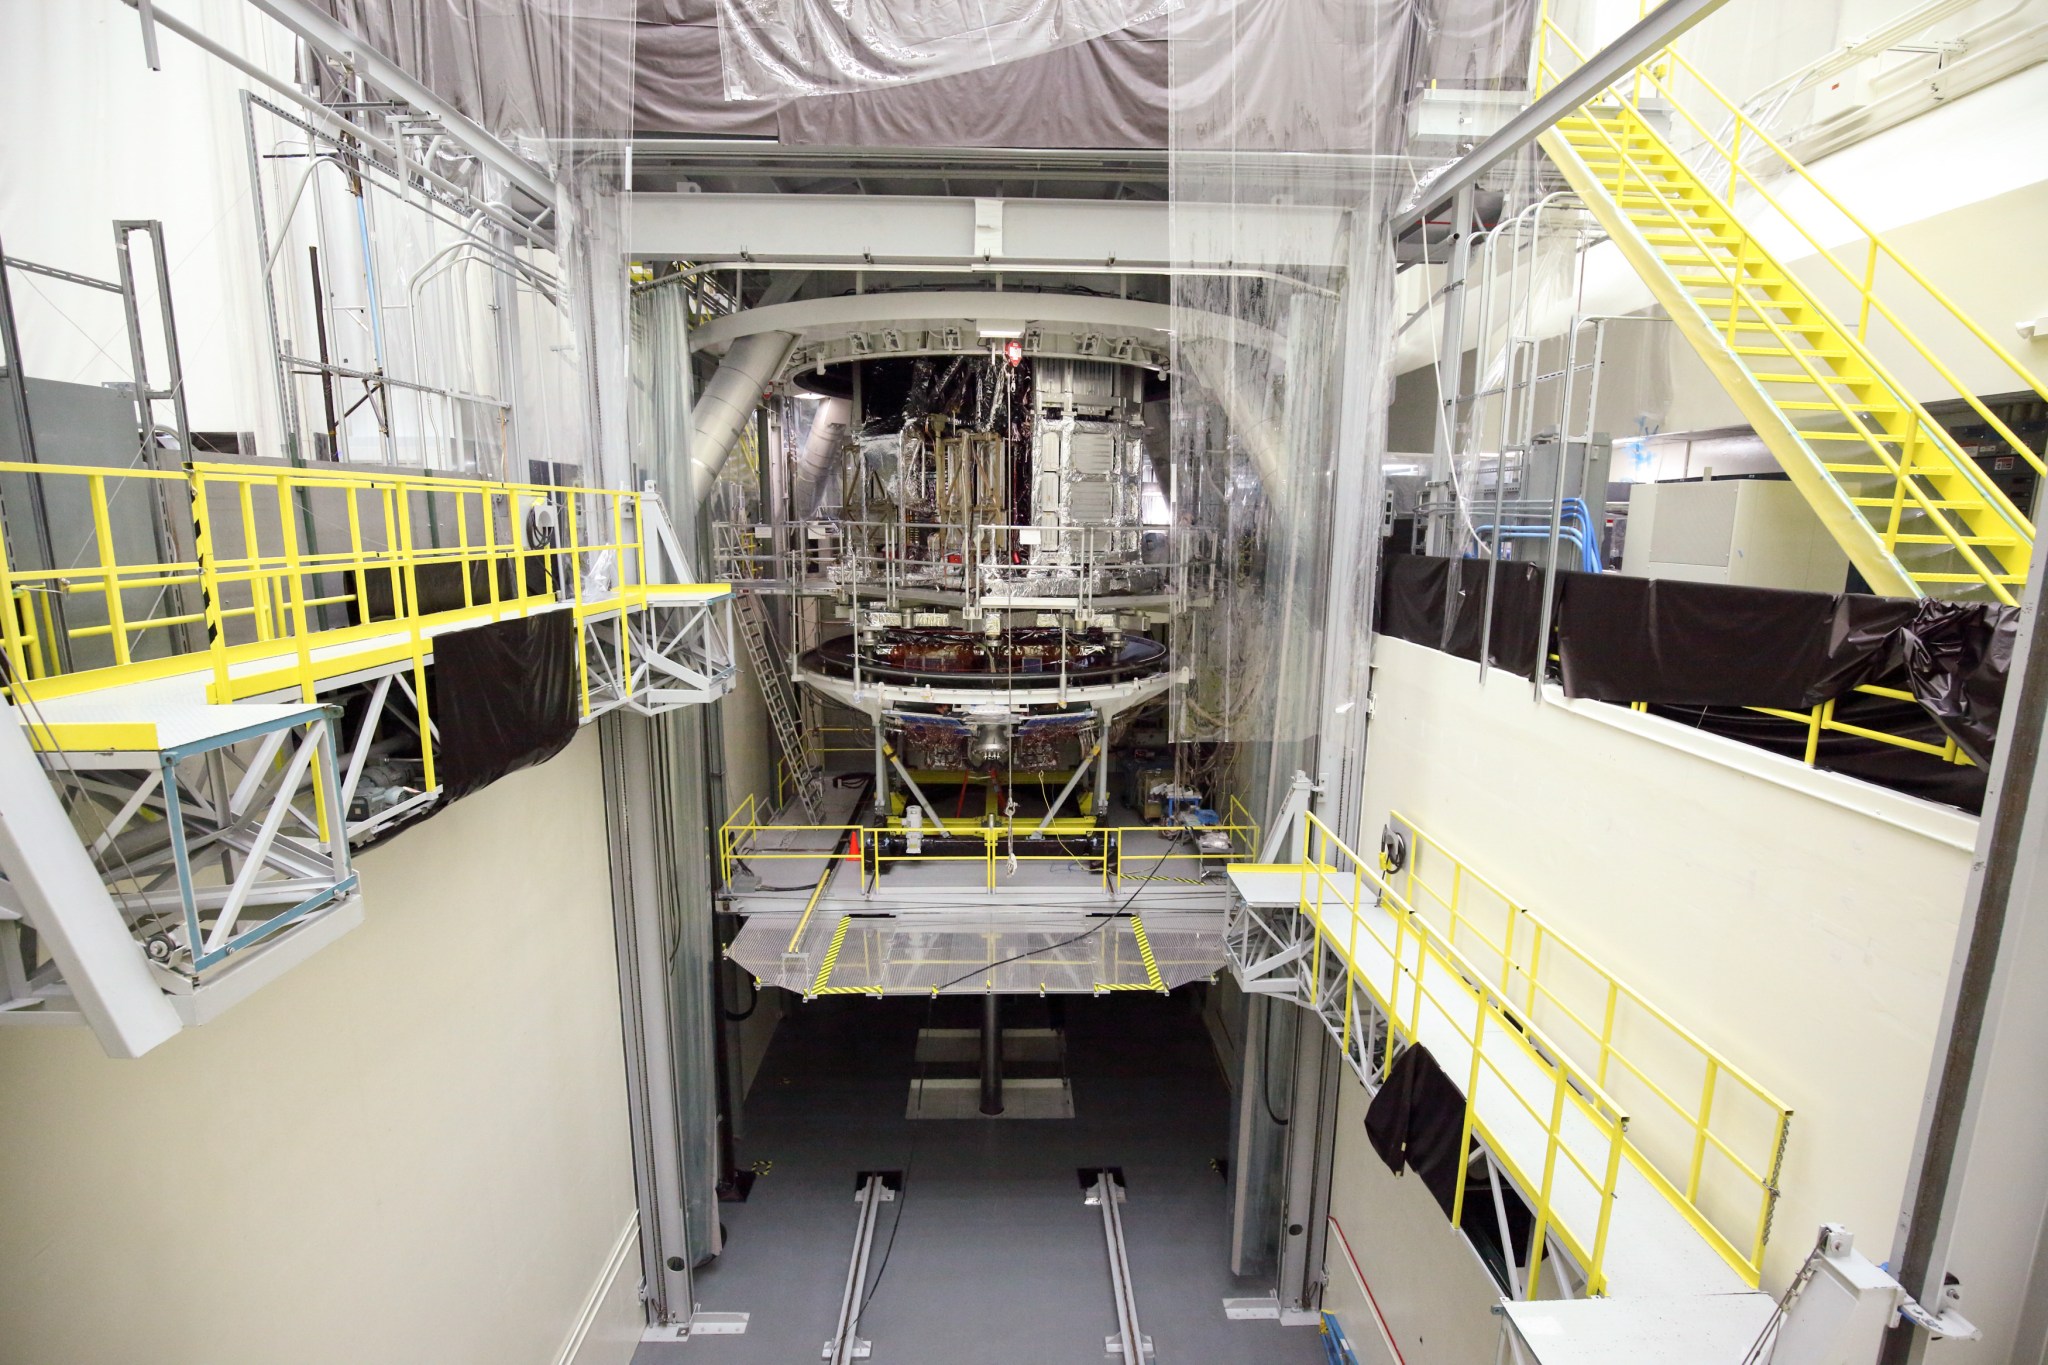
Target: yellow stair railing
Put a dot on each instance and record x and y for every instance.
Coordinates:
(1910, 507)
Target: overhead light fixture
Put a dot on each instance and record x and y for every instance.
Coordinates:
(995, 332)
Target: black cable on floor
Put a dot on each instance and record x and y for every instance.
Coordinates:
(909, 1160)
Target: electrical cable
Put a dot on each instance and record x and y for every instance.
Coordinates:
(753, 1002)
(1266, 1067)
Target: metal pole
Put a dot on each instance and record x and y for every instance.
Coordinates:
(992, 1054)
(17, 380)
(1659, 29)
(1450, 363)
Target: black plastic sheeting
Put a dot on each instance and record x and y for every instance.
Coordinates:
(505, 698)
(1418, 1120)
(1442, 603)
(440, 586)
(1702, 652)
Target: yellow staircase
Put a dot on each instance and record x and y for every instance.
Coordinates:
(1914, 512)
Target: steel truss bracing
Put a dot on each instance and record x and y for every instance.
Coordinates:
(209, 845)
(1272, 952)
(672, 654)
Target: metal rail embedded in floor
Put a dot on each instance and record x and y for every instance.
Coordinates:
(1129, 1345)
(876, 1188)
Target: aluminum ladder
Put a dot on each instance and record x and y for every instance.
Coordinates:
(779, 696)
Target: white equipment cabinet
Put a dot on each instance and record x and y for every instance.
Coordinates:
(1753, 532)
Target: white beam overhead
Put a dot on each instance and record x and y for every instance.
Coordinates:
(815, 319)
(911, 231)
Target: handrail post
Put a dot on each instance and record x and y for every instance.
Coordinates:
(209, 586)
(1699, 1143)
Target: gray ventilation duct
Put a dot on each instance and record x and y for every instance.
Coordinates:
(1254, 416)
(728, 404)
(823, 453)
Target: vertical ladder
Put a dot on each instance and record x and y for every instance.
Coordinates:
(779, 696)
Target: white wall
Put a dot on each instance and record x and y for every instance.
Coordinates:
(1432, 1294)
(412, 1148)
(88, 134)
(1797, 921)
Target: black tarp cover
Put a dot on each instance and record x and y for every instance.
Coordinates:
(1418, 1119)
(1702, 653)
(505, 698)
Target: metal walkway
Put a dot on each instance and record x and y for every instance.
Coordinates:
(1613, 1215)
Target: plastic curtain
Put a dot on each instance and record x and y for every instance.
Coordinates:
(554, 81)
(1288, 149)
(779, 48)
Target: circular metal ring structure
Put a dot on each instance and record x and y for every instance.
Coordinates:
(1022, 657)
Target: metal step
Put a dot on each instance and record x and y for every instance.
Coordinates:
(778, 694)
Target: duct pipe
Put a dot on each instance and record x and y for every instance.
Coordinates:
(728, 404)
(822, 455)
(1254, 418)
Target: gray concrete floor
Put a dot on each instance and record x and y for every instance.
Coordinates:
(997, 1261)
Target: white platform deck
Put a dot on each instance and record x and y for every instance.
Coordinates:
(1715, 1329)
(1652, 1251)
(177, 704)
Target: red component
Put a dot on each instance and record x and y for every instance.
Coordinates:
(1013, 350)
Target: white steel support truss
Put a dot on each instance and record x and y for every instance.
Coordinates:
(214, 859)
(1272, 951)
(670, 654)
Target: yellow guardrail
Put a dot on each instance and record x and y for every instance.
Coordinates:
(1821, 719)
(1708, 1135)
(300, 574)
(1873, 286)
(1513, 1074)
(740, 839)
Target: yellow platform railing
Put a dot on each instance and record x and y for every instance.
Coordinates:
(741, 839)
(1706, 1133)
(1513, 1072)
(298, 575)
(1820, 720)
(1937, 496)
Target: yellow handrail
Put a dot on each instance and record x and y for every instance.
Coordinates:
(260, 581)
(1657, 72)
(1612, 1025)
(1421, 982)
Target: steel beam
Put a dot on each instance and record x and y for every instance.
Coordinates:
(925, 232)
(72, 911)
(323, 33)
(1972, 1219)
(1654, 32)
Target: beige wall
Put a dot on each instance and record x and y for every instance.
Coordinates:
(1431, 1291)
(1798, 922)
(412, 1148)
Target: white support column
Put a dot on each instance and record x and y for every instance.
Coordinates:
(66, 901)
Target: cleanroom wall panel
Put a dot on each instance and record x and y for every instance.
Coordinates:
(412, 1148)
(1799, 922)
(1399, 1269)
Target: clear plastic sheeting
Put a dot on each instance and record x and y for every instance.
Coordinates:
(535, 74)
(1288, 146)
(780, 48)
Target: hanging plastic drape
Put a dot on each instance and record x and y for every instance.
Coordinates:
(780, 48)
(1288, 149)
